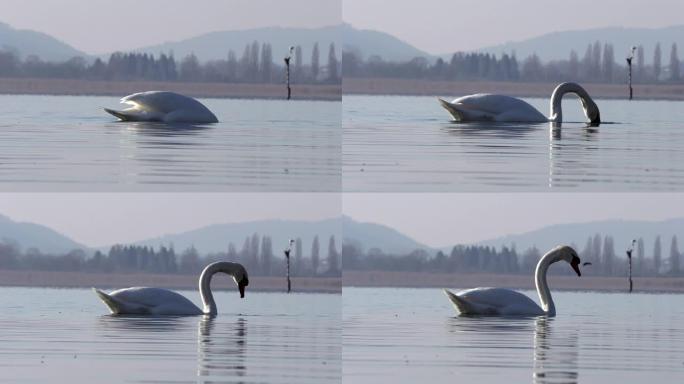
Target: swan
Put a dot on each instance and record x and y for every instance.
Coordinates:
(502, 108)
(506, 302)
(165, 107)
(159, 301)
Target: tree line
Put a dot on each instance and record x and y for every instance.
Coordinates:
(597, 65)
(257, 64)
(599, 250)
(257, 255)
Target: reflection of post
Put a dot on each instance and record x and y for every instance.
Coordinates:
(555, 358)
(287, 260)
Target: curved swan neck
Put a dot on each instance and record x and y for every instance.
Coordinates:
(205, 283)
(556, 110)
(540, 282)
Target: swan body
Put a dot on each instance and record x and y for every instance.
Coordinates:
(502, 108)
(506, 302)
(165, 107)
(160, 301)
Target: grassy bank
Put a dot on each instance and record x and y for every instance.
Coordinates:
(450, 280)
(382, 86)
(20, 86)
(59, 279)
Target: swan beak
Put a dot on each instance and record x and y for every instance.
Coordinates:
(241, 285)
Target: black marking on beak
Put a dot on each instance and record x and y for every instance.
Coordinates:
(586, 263)
(575, 265)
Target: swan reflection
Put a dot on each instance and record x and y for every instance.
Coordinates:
(555, 354)
(221, 348)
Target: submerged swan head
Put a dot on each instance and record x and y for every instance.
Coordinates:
(591, 110)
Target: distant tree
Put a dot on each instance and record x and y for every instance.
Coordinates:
(254, 252)
(332, 64)
(640, 267)
(266, 63)
(232, 254)
(190, 68)
(298, 262)
(656, 255)
(298, 65)
(532, 69)
(608, 256)
(333, 257)
(657, 57)
(674, 257)
(573, 65)
(315, 58)
(640, 65)
(266, 255)
(674, 63)
(231, 66)
(608, 63)
(190, 261)
(315, 249)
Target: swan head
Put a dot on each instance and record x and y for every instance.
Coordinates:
(241, 279)
(591, 111)
(568, 254)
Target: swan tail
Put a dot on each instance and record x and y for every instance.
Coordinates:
(463, 306)
(111, 303)
(451, 108)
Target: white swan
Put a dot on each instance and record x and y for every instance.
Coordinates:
(506, 302)
(501, 108)
(159, 301)
(165, 107)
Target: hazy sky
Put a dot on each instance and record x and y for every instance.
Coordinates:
(98, 219)
(447, 219)
(441, 26)
(102, 26)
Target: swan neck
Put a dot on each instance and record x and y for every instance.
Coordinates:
(205, 284)
(556, 110)
(540, 282)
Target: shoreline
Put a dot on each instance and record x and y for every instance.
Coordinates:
(415, 87)
(62, 279)
(75, 87)
(370, 279)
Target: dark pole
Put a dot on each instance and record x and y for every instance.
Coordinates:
(629, 70)
(287, 72)
(629, 258)
(287, 258)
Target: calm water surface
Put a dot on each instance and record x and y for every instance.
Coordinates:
(69, 143)
(409, 144)
(414, 335)
(59, 335)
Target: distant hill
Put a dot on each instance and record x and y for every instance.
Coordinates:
(367, 43)
(557, 45)
(622, 232)
(28, 235)
(215, 45)
(27, 42)
(370, 235)
(215, 238)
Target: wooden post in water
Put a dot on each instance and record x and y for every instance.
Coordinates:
(287, 259)
(287, 73)
(629, 71)
(629, 258)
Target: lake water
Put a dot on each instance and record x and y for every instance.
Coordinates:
(64, 335)
(414, 335)
(67, 143)
(411, 144)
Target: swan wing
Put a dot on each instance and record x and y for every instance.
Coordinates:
(466, 307)
(148, 301)
(170, 107)
(491, 107)
(498, 301)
